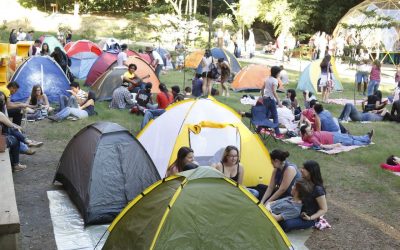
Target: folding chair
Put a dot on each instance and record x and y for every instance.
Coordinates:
(260, 121)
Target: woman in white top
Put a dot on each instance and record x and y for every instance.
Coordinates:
(207, 80)
(271, 98)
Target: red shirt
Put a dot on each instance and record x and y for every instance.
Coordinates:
(319, 137)
(310, 115)
(164, 99)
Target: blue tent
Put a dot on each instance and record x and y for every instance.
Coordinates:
(81, 64)
(310, 76)
(41, 70)
(228, 56)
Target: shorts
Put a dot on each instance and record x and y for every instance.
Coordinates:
(323, 81)
(206, 74)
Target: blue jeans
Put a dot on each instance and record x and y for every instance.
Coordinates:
(66, 101)
(295, 224)
(272, 112)
(20, 137)
(373, 85)
(64, 113)
(253, 192)
(350, 140)
(151, 114)
(158, 70)
(349, 111)
(13, 145)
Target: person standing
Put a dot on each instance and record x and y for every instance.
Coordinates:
(271, 98)
(206, 65)
(21, 35)
(156, 60)
(29, 36)
(326, 81)
(225, 70)
(122, 57)
(13, 37)
(34, 49)
(180, 50)
(374, 78)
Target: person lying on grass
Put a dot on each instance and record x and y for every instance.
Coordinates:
(329, 140)
(290, 207)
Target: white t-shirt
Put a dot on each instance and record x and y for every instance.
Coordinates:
(270, 84)
(286, 118)
(396, 94)
(157, 56)
(121, 58)
(206, 62)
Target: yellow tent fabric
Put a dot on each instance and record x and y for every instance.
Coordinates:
(207, 126)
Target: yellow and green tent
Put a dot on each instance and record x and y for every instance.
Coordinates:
(207, 126)
(309, 77)
(196, 209)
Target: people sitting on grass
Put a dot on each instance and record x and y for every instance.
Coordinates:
(284, 175)
(197, 85)
(122, 98)
(188, 92)
(309, 116)
(373, 102)
(45, 51)
(40, 101)
(231, 167)
(286, 117)
(326, 119)
(185, 156)
(77, 98)
(395, 112)
(290, 207)
(14, 109)
(329, 140)
(164, 98)
(350, 113)
(396, 92)
(144, 98)
(13, 129)
(129, 77)
(176, 93)
(83, 111)
(314, 205)
(291, 95)
(308, 97)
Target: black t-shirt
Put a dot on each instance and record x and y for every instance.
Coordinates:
(143, 98)
(310, 204)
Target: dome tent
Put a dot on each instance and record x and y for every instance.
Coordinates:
(52, 42)
(190, 123)
(41, 70)
(374, 37)
(83, 54)
(196, 209)
(102, 168)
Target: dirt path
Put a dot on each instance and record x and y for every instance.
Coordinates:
(352, 229)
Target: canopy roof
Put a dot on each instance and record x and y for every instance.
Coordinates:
(385, 38)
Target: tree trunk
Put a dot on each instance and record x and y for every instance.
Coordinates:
(194, 6)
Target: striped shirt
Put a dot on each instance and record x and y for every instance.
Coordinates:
(120, 98)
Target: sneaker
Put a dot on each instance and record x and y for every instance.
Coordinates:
(280, 136)
(371, 134)
(19, 167)
(53, 118)
(72, 118)
(28, 152)
(32, 143)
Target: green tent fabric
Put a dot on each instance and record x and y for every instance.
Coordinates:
(52, 42)
(197, 209)
(309, 77)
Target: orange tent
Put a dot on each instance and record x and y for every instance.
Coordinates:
(252, 77)
(193, 59)
(143, 70)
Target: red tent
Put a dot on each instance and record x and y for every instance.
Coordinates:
(102, 64)
(73, 48)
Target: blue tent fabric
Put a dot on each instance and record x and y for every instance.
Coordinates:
(41, 70)
(81, 64)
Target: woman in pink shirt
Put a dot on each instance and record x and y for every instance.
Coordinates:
(374, 78)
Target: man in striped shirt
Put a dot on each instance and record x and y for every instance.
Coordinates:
(121, 97)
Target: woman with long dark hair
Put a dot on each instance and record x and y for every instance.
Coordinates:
(45, 51)
(38, 99)
(315, 205)
(13, 37)
(283, 177)
(184, 157)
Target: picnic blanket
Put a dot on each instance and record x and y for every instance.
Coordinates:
(339, 149)
(342, 101)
